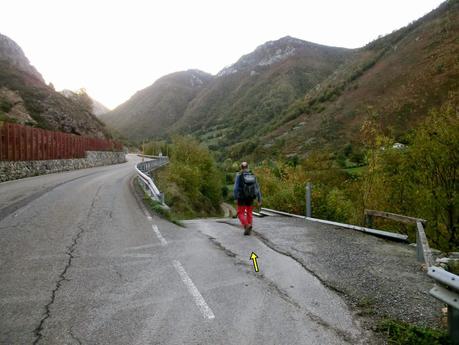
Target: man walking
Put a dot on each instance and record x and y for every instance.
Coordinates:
(246, 190)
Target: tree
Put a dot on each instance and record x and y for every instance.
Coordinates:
(434, 157)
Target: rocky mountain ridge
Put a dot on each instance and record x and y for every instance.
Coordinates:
(274, 75)
(289, 96)
(13, 53)
(97, 107)
(26, 99)
(270, 53)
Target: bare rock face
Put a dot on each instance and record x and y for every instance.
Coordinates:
(97, 107)
(12, 107)
(12, 52)
(26, 99)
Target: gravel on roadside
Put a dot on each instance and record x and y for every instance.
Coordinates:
(379, 278)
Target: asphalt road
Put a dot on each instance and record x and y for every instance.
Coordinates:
(82, 262)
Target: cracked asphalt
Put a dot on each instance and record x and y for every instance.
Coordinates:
(81, 262)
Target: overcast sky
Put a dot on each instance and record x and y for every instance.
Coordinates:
(115, 48)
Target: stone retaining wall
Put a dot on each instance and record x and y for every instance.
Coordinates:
(12, 170)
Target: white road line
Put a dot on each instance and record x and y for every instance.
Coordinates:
(158, 234)
(202, 305)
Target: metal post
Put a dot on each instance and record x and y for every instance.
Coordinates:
(453, 324)
(161, 197)
(369, 221)
(308, 199)
(419, 251)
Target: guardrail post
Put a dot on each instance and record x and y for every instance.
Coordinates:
(308, 200)
(369, 220)
(419, 252)
(453, 324)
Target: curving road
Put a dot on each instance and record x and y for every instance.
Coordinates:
(82, 262)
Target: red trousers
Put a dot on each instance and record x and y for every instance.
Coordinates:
(244, 213)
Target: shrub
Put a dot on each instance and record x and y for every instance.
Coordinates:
(192, 183)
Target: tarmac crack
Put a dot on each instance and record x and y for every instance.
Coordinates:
(75, 337)
(274, 247)
(62, 276)
(280, 292)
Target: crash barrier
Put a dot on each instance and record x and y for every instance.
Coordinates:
(25, 143)
(143, 168)
(380, 233)
(423, 252)
(446, 287)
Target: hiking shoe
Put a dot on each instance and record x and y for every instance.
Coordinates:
(247, 229)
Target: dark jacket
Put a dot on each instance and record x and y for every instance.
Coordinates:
(237, 192)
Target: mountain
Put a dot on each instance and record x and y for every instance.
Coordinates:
(238, 100)
(394, 80)
(26, 99)
(291, 96)
(96, 107)
(10, 51)
(250, 95)
(156, 108)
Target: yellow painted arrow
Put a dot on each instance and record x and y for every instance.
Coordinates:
(254, 257)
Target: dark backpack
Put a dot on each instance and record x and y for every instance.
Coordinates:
(248, 186)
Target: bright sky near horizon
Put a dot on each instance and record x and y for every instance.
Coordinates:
(114, 48)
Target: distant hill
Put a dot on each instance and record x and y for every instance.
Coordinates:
(251, 94)
(97, 107)
(156, 108)
(290, 96)
(239, 100)
(26, 99)
(396, 79)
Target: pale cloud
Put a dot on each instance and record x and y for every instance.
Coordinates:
(115, 48)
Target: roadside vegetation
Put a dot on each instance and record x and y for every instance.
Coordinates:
(418, 177)
(415, 177)
(400, 333)
(191, 182)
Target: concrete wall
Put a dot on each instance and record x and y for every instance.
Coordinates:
(12, 170)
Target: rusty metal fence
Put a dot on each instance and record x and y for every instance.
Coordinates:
(23, 143)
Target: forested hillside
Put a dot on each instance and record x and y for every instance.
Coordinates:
(153, 110)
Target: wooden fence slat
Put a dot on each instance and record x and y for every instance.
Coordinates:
(10, 143)
(16, 142)
(45, 145)
(39, 148)
(27, 143)
(23, 148)
(61, 146)
(2, 144)
(393, 216)
(53, 145)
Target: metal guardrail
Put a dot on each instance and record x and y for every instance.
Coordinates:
(448, 293)
(446, 287)
(143, 168)
(423, 252)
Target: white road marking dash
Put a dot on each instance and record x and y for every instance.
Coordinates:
(198, 299)
(158, 234)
